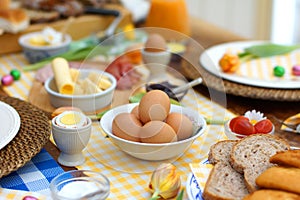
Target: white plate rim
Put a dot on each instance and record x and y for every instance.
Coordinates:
(210, 63)
(16, 123)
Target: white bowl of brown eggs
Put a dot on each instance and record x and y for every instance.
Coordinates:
(153, 129)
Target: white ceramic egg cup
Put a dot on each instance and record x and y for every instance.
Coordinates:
(71, 142)
(156, 62)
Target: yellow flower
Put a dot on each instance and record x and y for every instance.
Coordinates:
(229, 62)
(165, 182)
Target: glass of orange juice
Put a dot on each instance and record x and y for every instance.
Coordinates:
(170, 14)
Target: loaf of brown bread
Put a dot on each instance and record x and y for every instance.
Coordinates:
(224, 182)
(251, 156)
(290, 158)
(280, 178)
(272, 195)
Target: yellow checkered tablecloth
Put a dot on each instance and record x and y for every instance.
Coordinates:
(18, 194)
(129, 177)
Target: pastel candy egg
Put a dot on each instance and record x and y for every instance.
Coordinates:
(278, 71)
(296, 70)
(29, 198)
(16, 74)
(7, 80)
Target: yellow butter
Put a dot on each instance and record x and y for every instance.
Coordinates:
(62, 76)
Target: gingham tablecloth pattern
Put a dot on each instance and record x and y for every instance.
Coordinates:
(34, 176)
(129, 177)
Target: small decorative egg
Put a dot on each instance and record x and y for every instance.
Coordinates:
(278, 71)
(29, 198)
(7, 80)
(296, 70)
(16, 74)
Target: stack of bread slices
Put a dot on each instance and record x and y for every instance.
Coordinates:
(251, 169)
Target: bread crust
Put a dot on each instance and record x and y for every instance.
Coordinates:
(290, 158)
(14, 16)
(280, 178)
(224, 183)
(267, 194)
(219, 148)
(251, 155)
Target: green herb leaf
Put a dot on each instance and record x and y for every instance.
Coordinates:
(267, 50)
(180, 196)
(72, 55)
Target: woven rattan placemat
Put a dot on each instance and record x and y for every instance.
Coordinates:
(238, 89)
(33, 134)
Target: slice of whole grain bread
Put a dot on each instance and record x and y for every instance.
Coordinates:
(251, 156)
(220, 152)
(224, 183)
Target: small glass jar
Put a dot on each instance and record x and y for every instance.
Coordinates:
(80, 184)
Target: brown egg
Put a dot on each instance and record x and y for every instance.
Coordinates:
(154, 105)
(127, 126)
(181, 124)
(157, 132)
(135, 111)
(155, 43)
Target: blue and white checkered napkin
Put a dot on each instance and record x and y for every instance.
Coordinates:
(34, 176)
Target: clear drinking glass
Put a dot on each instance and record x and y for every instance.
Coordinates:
(80, 184)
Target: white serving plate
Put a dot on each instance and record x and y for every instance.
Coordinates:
(10, 124)
(258, 72)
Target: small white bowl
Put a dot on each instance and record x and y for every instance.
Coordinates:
(235, 136)
(157, 62)
(37, 53)
(153, 152)
(87, 103)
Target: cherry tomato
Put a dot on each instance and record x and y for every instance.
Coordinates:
(263, 126)
(243, 127)
(234, 120)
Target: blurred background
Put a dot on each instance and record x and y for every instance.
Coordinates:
(274, 20)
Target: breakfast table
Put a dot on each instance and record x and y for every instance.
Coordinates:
(129, 177)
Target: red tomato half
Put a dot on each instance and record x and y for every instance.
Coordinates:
(243, 127)
(236, 119)
(263, 126)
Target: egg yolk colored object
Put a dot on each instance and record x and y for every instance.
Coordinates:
(70, 119)
(176, 47)
(38, 41)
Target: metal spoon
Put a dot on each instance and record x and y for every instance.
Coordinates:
(187, 86)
